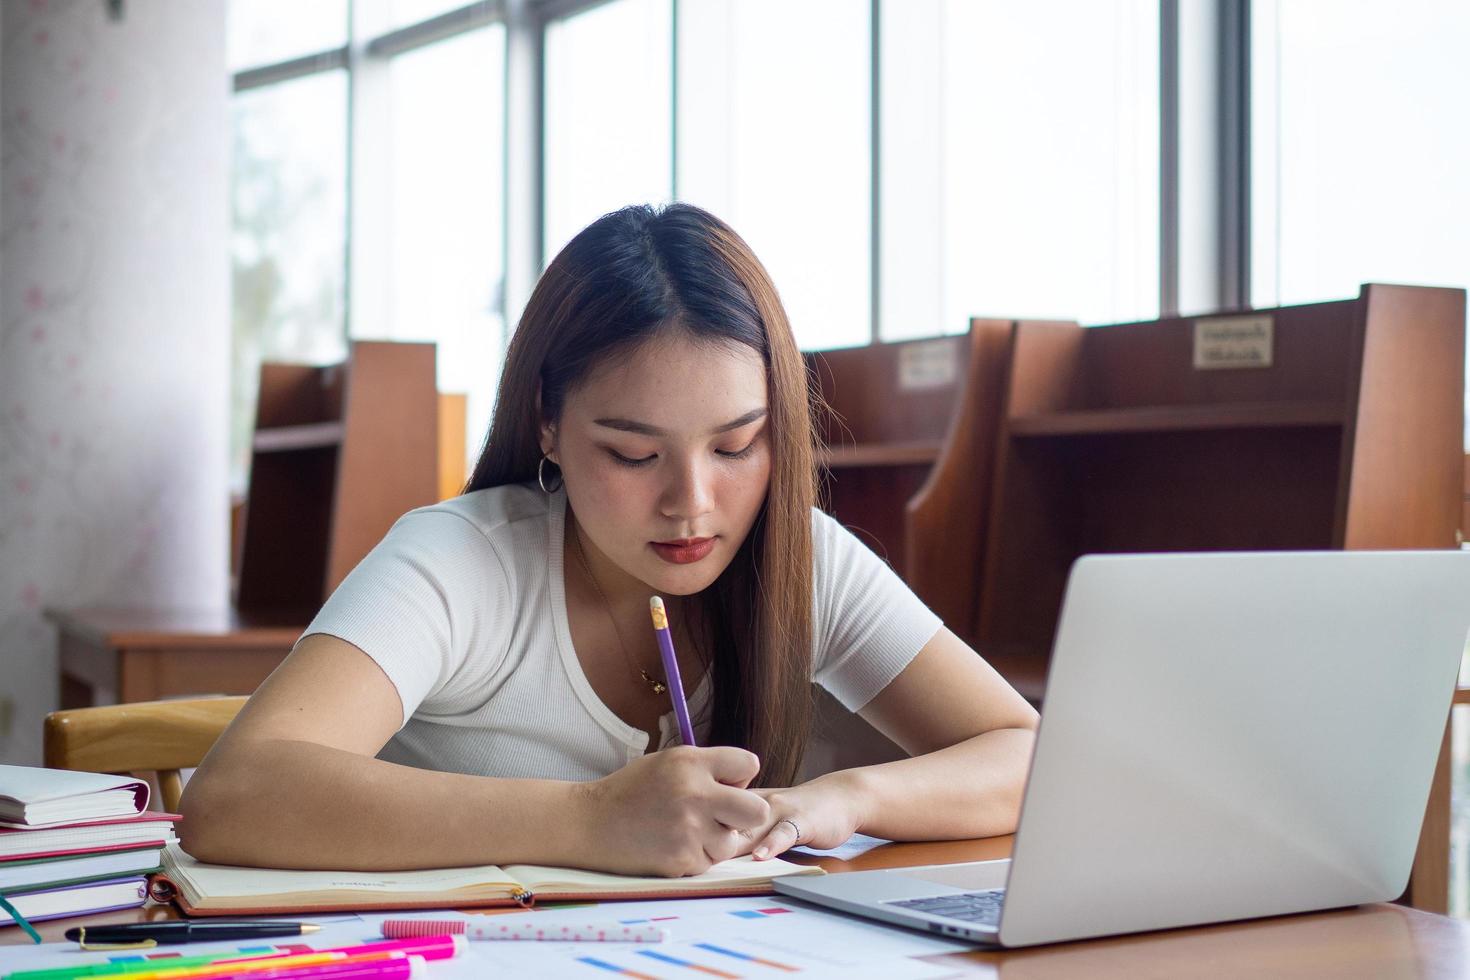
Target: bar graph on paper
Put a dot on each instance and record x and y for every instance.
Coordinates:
(745, 943)
(727, 959)
(724, 960)
(736, 938)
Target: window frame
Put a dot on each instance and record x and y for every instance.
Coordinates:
(366, 60)
(1204, 176)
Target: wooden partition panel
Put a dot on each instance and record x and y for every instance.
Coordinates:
(389, 461)
(884, 412)
(339, 453)
(870, 501)
(1465, 504)
(298, 394)
(1113, 439)
(1142, 492)
(945, 524)
(1151, 364)
(1218, 490)
(1401, 482)
(287, 529)
(895, 396)
(453, 464)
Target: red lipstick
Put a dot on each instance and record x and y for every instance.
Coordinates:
(683, 551)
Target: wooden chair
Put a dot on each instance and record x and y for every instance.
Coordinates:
(161, 737)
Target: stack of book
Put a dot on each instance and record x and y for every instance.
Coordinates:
(73, 843)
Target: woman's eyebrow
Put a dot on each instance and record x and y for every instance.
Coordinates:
(644, 429)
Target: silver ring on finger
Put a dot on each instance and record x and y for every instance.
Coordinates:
(794, 828)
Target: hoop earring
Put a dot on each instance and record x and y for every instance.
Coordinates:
(541, 475)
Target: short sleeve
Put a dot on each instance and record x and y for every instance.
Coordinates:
(868, 624)
(431, 593)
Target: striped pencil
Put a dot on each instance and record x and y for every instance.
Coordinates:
(586, 932)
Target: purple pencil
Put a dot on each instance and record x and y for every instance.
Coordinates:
(671, 668)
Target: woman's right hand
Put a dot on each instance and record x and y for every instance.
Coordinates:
(672, 813)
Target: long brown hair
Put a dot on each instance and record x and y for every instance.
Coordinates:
(617, 284)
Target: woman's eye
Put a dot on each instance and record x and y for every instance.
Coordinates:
(738, 453)
(630, 461)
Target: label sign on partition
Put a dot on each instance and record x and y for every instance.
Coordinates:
(1226, 342)
(929, 364)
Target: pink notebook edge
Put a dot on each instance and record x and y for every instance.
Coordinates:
(145, 817)
(79, 852)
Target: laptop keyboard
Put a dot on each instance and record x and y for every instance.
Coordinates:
(981, 908)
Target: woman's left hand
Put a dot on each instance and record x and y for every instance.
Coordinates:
(822, 813)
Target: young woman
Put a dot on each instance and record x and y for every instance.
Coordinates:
(485, 686)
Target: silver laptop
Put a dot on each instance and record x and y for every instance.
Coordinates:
(1224, 736)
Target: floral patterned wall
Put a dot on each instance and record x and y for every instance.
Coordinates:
(114, 323)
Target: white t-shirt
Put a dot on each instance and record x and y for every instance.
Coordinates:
(463, 605)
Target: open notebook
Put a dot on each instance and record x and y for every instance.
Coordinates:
(215, 889)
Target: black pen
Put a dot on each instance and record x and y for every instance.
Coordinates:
(185, 932)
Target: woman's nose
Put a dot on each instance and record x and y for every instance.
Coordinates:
(689, 494)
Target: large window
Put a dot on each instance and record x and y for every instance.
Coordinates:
(607, 114)
(445, 261)
(264, 32)
(290, 213)
(402, 13)
(774, 136)
(1016, 149)
(1020, 162)
(422, 84)
(289, 204)
(1019, 156)
(1359, 164)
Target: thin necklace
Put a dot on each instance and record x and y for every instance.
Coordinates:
(654, 684)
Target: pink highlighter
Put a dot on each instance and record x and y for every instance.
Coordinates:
(394, 968)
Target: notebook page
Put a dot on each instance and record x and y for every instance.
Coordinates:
(204, 884)
(735, 873)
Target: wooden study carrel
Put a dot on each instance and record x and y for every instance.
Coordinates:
(340, 452)
(1113, 439)
(1064, 440)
